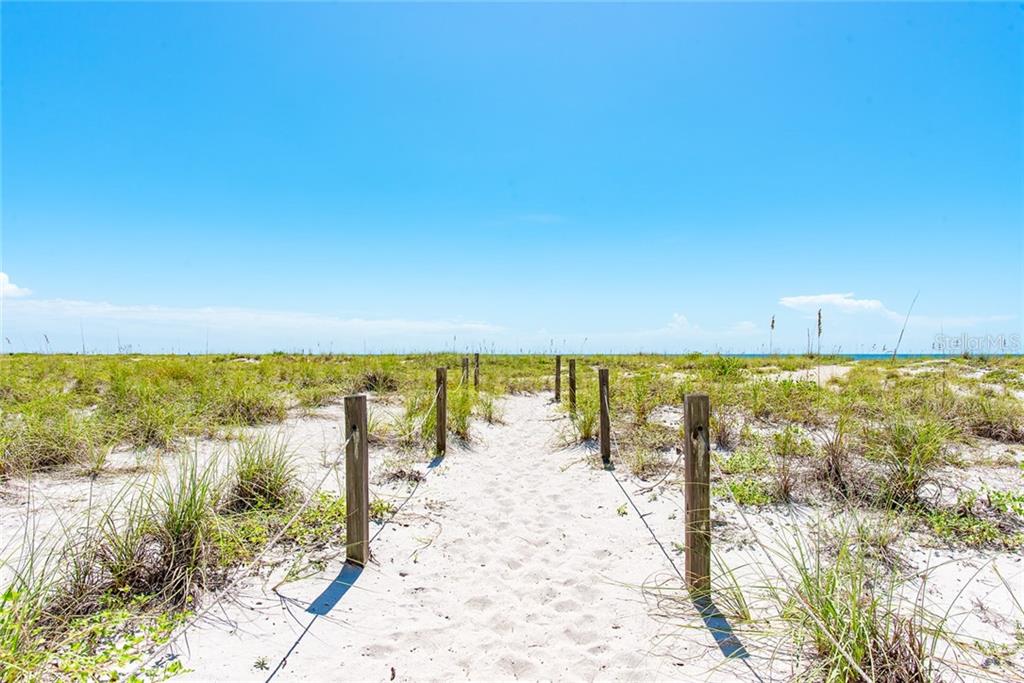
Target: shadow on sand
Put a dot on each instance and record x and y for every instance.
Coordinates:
(720, 629)
(335, 590)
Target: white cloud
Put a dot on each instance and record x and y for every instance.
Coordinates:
(9, 289)
(844, 302)
(234, 318)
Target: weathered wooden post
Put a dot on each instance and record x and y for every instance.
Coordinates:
(558, 378)
(465, 369)
(572, 385)
(476, 370)
(606, 426)
(442, 409)
(357, 482)
(696, 412)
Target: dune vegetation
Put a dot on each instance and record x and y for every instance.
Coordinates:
(931, 447)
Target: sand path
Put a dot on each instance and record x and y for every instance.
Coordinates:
(512, 560)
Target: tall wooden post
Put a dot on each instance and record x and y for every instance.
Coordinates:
(697, 410)
(558, 378)
(476, 370)
(606, 425)
(465, 370)
(572, 385)
(442, 409)
(357, 482)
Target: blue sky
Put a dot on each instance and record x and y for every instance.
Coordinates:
(519, 177)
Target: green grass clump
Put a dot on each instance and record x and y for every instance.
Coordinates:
(910, 451)
(263, 474)
(859, 622)
(487, 408)
(460, 410)
(381, 378)
(241, 403)
(184, 526)
(645, 462)
(47, 435)
(584, 420)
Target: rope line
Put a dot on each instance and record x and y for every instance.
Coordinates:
(415, 488)
(778, 570)
(789, 586)
(245, 570)
(391, 517)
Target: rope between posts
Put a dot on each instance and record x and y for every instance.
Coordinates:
(245, 569)
(415, 488)
(789, 586)
(757, 539)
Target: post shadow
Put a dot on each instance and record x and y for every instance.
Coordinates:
(728, 642)
(335, 590)
(438, 459)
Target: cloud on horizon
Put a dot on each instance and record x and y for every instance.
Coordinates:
(41, 311)
(9, 289)
(847, 303)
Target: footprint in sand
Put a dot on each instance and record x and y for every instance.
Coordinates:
(479, 603)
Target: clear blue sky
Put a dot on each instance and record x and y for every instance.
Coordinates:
(398, 177)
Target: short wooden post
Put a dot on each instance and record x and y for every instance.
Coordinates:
(558, 378)
(357, 482)
(696, 411)
(442, 409)
(606, 425)
(465, 370)
(572, 385)
(476, 370)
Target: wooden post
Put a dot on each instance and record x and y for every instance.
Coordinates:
(572, 385)
(696, 411)
(558, 378)
(442, 409)
(357, 482)
(606, 426)
(465, 369)
(476, 370)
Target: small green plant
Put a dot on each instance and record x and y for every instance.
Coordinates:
(835, 453)
(725, 428)
(644, 462)
(381, 509)
(745, 491)
(1006, 502)
(792, 442)
(487, 408)
(621, 510)
(321, 523)
(640, 397)
(747, 460)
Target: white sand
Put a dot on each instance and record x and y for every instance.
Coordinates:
(822, 375)
(510, 561)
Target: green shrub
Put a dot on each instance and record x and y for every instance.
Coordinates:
(263, 475)
(910, 450)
